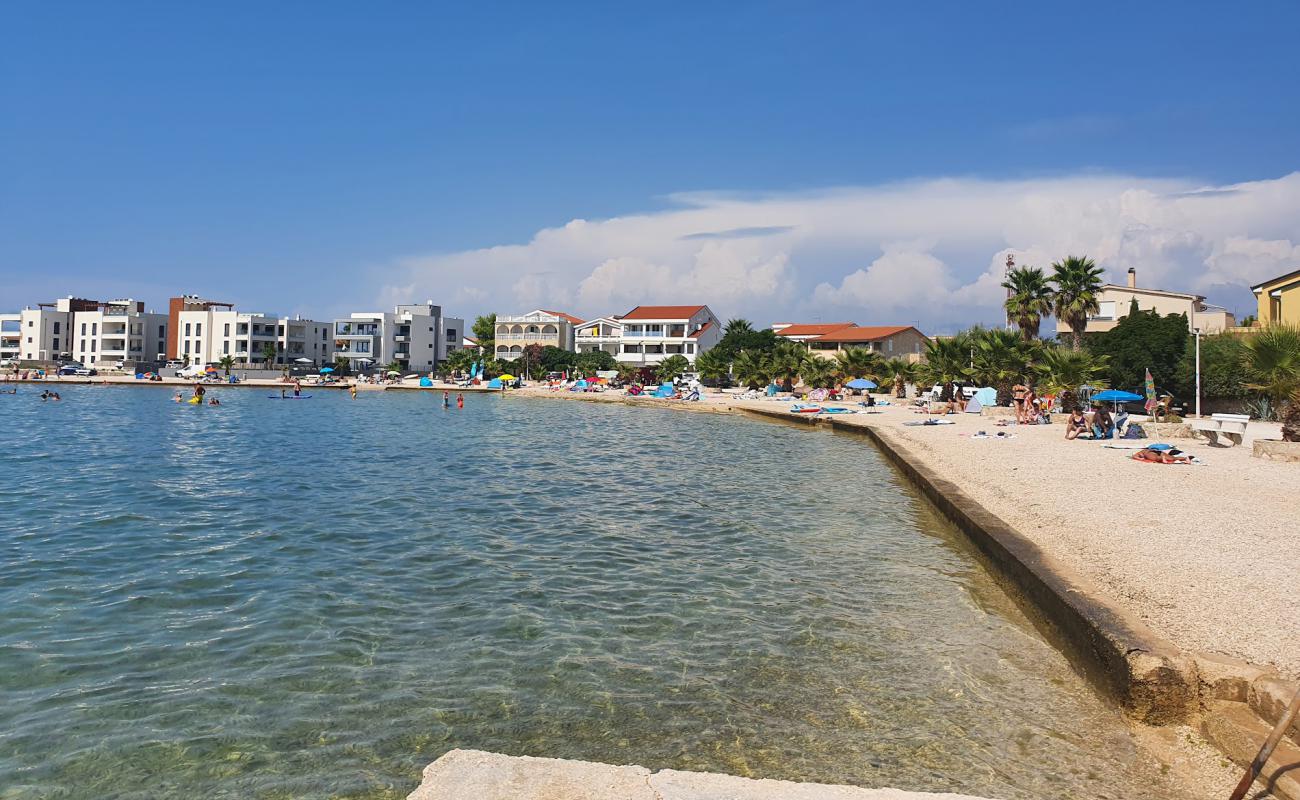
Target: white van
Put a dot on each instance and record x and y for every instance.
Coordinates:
(192, 371)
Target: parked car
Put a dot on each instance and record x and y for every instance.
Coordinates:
(192, 371)
(72, 368)
(174, 364)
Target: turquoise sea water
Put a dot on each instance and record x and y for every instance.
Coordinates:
(316, 598)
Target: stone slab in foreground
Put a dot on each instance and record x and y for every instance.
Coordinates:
(477, 775)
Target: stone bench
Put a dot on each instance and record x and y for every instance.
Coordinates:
(1231, 426)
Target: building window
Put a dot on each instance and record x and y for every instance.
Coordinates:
(225, 347)
(162, 331)
(690, 348)
(56, 344)
(30, 323)
(83, 328)
(187, 347)
(187, 329)
(451, 333)
(56, 330)
(93, 345)
(198, 329)
(94, 329)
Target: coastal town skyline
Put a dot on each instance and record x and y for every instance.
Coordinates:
(350, 157)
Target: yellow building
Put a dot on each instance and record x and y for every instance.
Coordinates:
(1279, 300)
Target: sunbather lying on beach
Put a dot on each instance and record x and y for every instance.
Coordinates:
(1171, 456)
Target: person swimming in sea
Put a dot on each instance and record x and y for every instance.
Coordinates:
(178, 398)
(214, 402)
(460, 399)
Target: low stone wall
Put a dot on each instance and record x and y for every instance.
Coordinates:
(466, 774)
(1276, 450)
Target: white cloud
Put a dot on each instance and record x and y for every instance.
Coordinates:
(924, 251)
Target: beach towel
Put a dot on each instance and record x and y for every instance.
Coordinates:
(931, 422)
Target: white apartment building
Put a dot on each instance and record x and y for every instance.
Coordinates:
(652, 333)
(416, 337)
(11, 336)
(120, 333)
(101, 334)
(206, 336)
(602, 333)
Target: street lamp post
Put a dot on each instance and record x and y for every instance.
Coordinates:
(1197, 331)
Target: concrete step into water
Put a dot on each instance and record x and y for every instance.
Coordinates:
(477, 775)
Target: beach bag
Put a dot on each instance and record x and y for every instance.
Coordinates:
(1134, 431)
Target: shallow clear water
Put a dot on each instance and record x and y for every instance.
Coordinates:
(316, 598)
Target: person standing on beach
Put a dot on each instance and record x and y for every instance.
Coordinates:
(460, 399)
(1018, 393)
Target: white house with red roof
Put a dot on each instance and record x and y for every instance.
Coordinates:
(651, 334)
(827, 339)
(547, 328)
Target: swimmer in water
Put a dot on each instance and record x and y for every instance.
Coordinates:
(214, 402)
(460, 399)
(446, 399)
(178, 398)
(353, 391)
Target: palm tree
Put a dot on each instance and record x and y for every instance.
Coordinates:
(712, 364)
(671, 367)
(227, 362)
(1001, 359)
(738, 326)
(268, 353)
(627, 372)
(752, 368)
(1078, 287)
(904, 372)
(788, 362)
(1272, 367)
(1030, 299)
(818, 373)
(1061, 372)
(946, 359)
(857, 362)
(1290, 418)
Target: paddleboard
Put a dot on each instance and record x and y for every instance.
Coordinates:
(288, 397)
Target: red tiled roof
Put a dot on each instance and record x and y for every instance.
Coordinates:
(702, 329)
(865, 333)
(563, 315)
(813, 328)
(662, 312)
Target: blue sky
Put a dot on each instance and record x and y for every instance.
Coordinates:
(317, 157)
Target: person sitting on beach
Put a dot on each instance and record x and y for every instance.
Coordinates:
(1171, 456)
(1077, 424)
(1121, 420)
(1103, 425)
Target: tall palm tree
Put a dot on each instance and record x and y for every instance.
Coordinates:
(904, 372)
(1272, 366)
(1078, 289)
(268, 354)
(1030, 299)
(227, 363)
(787, 363)
(1062, 371)
(752, 368)
(738, 325)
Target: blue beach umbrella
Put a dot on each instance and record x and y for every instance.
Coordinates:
(861, 383)
(326, 369)
(1115, 396)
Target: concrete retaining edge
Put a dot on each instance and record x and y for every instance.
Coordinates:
(1153, 679)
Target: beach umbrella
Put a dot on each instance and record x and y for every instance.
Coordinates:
(302, 360)
(505, 378)
(861, 383)
(1116, 396)
(326, 369)
(393, 372)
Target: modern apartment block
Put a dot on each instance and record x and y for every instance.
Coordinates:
(416, 337)
(546, 328)
(101, 334)
(652, 333)
(207, 336)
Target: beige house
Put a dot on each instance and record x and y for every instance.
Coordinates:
(547, 328)
(1279, 300)
(1115, 301)
(827, 339)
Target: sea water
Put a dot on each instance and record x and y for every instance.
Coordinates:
(315, 598)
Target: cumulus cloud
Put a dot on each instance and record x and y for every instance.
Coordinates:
(927, 252)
